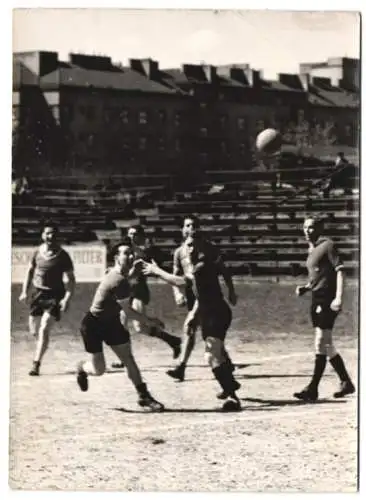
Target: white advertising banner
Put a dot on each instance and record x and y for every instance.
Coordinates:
(90, 262)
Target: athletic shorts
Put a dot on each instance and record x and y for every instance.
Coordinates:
(321, 314)
(141, 292)
(95, 331)
(215, 321)
(46, 300)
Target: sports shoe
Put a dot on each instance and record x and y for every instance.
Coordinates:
(345, 388)
(147, 401)
(224, 394)
(232, 403)
(82, 378)
(307, 394)
(177, 373)
(117, 365)
(177, 349)
(35, 370)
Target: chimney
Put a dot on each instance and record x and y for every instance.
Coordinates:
(147, 67)
(254, 77)
(210, 72)
(305, 81)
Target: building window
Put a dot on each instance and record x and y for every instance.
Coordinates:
(241, 123)
(204, 157)
(178, 146)
(223, 121)
(161, 145)
(223, 147)
(178, 119)
(142, 143)
(162, 116)
(90, 113)
(203, 131)
(143, 117)
(124, 116)
(242, 148)
(203, 105)
(126, 144)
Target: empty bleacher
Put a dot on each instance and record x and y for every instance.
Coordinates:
(245, 215)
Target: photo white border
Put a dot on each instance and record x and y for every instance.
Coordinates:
(5, 211)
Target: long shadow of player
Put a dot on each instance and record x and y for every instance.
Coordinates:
(197, 410)
(291, 402)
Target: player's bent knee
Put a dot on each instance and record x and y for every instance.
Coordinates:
(215, 346)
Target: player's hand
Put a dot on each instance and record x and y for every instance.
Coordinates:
(149, 268)
(301, 289)
(189, 322)
(136, 267)
(23, 297)
(64, 305)
(336, 305)
(180, 299)
(233, 298)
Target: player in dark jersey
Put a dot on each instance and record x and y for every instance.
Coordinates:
(49, 266)
(143, 249)
(102, 324)
(182, 266)
(326, 283)
(213, 311)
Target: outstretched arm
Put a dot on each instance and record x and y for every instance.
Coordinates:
(153, 268)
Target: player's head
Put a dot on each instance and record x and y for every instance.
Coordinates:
(313, 228)
(193, 246)
(136, 234)
(122, 254)
(190, 226)
(49, 233)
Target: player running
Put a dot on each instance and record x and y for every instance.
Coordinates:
(102, 324)
(326, 283)
(140, 293)
(214, 313)
(49, 266)
(182, 266)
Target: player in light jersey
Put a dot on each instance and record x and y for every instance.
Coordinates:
(140, 292)
(182, 266)
(102, 324)
(49, 266)
(214, 313)
(326, 284)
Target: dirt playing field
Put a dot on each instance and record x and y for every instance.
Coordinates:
(62, 439)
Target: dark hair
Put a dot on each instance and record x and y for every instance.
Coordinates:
(139, 229)
(51, 225)
(318, 221)
(194, 218)
(114, 249)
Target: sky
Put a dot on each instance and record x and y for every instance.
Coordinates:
(268, 40)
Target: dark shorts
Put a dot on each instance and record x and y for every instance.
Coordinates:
(140, 291)
(46, 300)
(215, 321)
(95, 331)
(322, 315)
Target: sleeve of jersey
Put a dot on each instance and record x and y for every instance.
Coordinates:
(334, 257)
(68, 264)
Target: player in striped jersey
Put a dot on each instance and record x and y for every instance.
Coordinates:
(49, 266)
